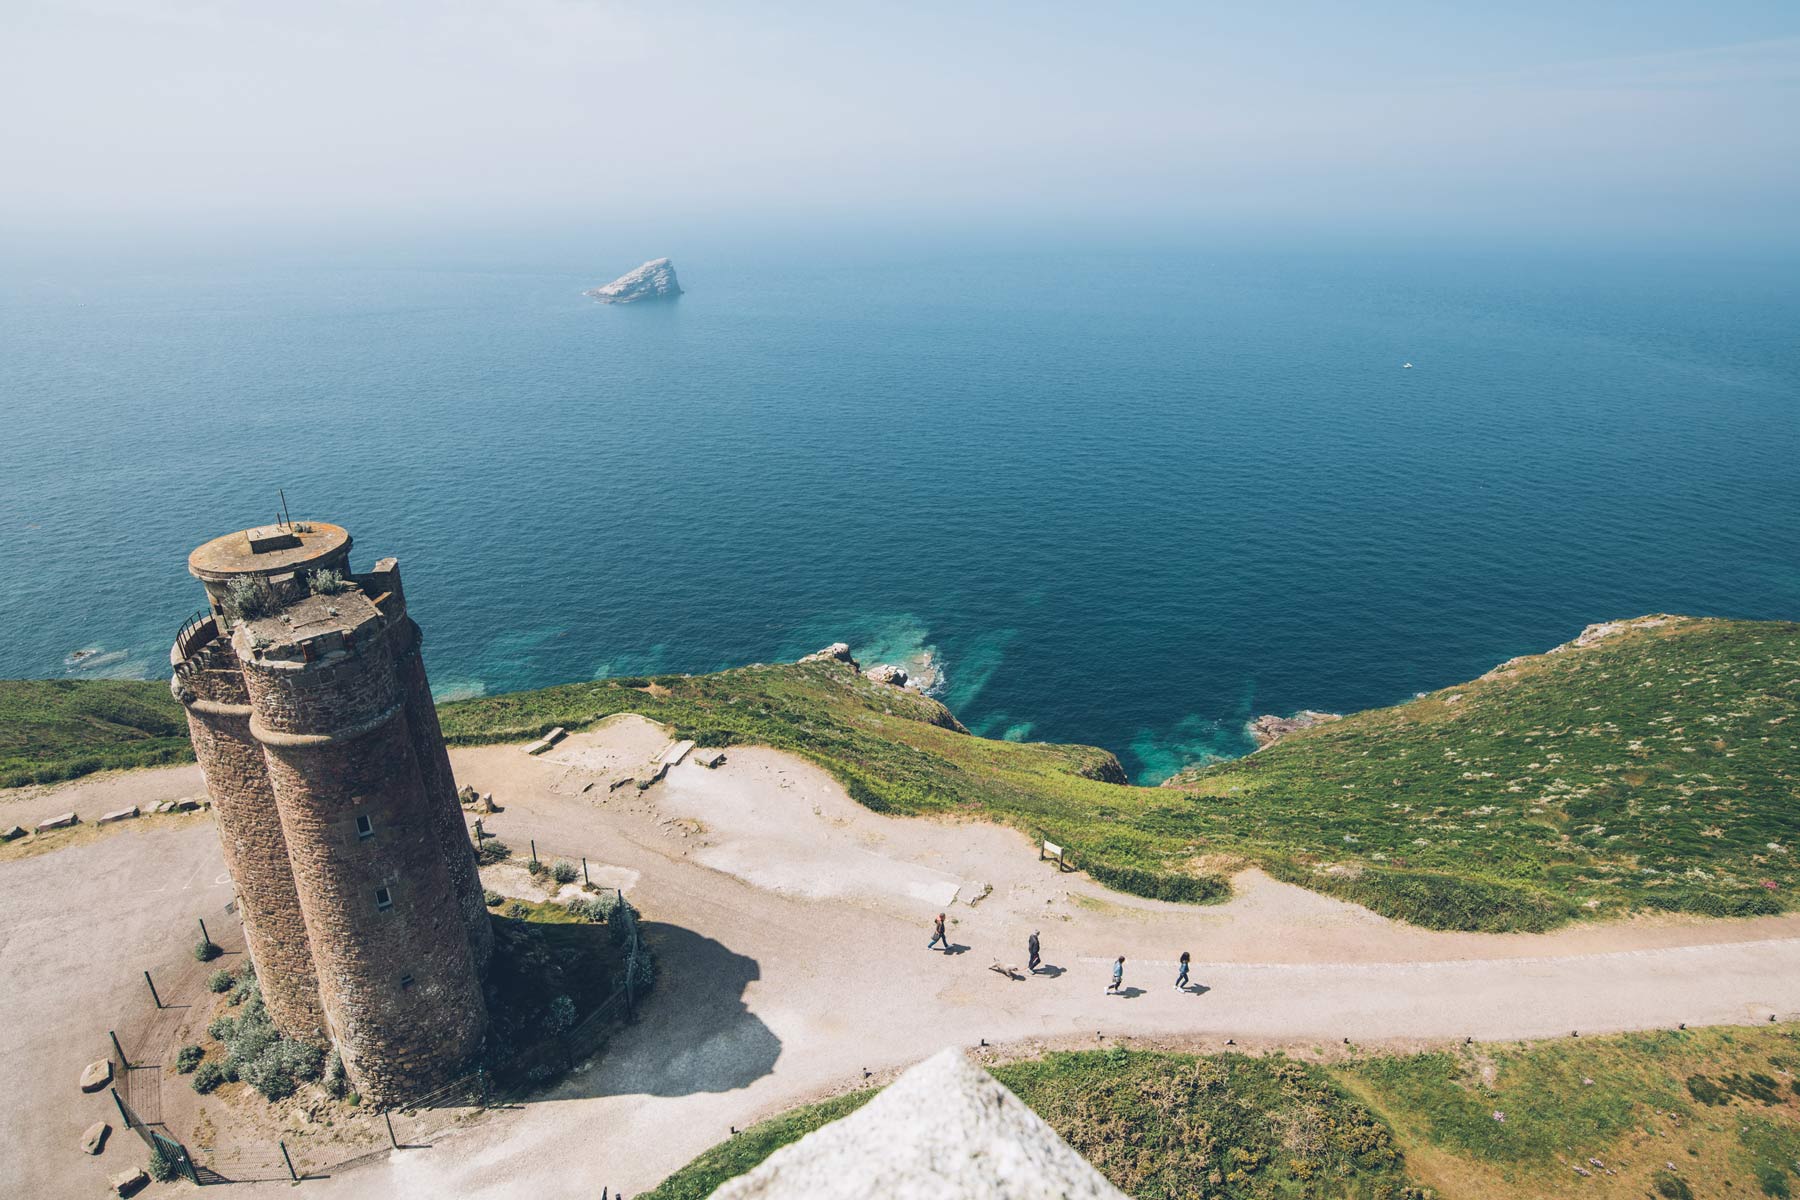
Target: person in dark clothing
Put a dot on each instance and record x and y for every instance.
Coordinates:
(1031, 947)
(937, 935)
(1118, 974)
(1181, 976)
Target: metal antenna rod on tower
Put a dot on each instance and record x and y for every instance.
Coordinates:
(286, 519)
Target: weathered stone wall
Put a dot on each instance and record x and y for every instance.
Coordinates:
(440, 789)
(398, 986)
(255, 849)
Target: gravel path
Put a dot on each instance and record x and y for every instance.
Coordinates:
(791, 927)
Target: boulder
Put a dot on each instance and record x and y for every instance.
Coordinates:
(186, 804)
(836, 652)
(13, 834)
(94, 1140)
(62, 822)
(466, 795)
(96, 1075)
(129, 1183)
(710, 758)
(655, 280)
(888, 673)
(123, 814)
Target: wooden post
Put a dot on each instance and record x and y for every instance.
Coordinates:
(119, 1050)
(123, 1114)
(584, 874)
(204, 936)
(534, 850)
(152, 984)
(292, 1174)
(478, 835)
(389, 1118)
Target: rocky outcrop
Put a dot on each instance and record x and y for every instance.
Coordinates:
(655, 280)
(1103, 766)
(945, 1129)
(887, 673)
(1268, 729)
(1598, 632)
(836, 652)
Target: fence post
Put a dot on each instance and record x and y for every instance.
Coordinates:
(388, 1116)
(152, 984)
(187, 1160)
(204, 936)
(584, 874)
(292, 1174)
(124, 1115)
(478, 835)
(119, 1050)
(534, 851)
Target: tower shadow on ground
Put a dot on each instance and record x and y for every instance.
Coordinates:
(693, 1033)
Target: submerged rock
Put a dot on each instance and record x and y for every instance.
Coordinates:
(655, 280)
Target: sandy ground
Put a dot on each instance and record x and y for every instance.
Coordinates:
(791, 927)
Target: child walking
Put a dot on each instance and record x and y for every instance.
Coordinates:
(1118, 975)
(1181, 976)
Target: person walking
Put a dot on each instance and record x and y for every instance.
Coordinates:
(1181, 976)
(1118, 975)
(937, 935)
(1031, 948)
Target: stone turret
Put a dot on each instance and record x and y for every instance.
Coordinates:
(311, 714)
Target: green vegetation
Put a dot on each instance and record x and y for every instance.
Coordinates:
(255, 1053)
(1654, 768)
(1597, 1117)
(55, 729)
(187, 1058)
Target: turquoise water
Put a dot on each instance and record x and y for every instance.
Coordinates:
(1125, 498)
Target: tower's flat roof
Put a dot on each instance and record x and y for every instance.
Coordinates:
(288, 548)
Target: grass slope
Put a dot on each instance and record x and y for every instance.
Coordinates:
(53, 729)
(1655, 768)
(1674, 1115)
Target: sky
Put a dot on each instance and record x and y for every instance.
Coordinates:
(1647, 118)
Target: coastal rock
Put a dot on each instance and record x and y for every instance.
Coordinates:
(887, 673)
(655, 280)
(836, 652)
(1103, 766)
(944, 1128)
(1269, 729)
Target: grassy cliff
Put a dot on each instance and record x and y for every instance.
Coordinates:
(1676, 1115)
(1658, 768)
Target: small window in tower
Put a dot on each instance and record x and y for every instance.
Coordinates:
(384, 899)
(365, 828)
(406, 981)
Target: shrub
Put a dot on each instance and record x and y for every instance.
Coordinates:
(560, 1017)
(187, 1058)
(205, 950)
(219, 1029)
(219, 981)
(492, 898)
(1183, 889)
(249, 598)
(564, 871)
(245, 988)
(281, 1066)
(538, 870)
(492, 850)
(161, 1166)
(640, 972)
(630, 681)
(209, 1076)
(329, 582)
(518, 910)
(595, 909)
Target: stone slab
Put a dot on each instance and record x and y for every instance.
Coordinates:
(123, 814)
(62, 822)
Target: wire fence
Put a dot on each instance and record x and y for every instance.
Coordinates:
(163, 1110)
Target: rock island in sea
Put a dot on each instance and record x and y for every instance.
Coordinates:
(655, 280)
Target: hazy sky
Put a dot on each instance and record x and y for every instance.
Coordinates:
(1642, 116)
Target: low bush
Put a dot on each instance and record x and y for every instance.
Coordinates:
(187, 1058)
(329, 582)
(492, 850)
(257, 1054)
(538, 869)
(249, 598)
(209, 1076)
(161, 1166)
(591, 908)
(219, 981)
(1155, 885)
(335, 1081)
(245, 988)
(492, 898)
(564, 871)
(205, 950)
(560, 1016)
(518, 910)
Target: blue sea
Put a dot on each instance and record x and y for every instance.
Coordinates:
(1131, 496)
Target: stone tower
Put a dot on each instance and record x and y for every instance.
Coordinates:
(313, 722)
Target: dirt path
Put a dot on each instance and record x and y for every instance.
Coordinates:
(790, 924)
